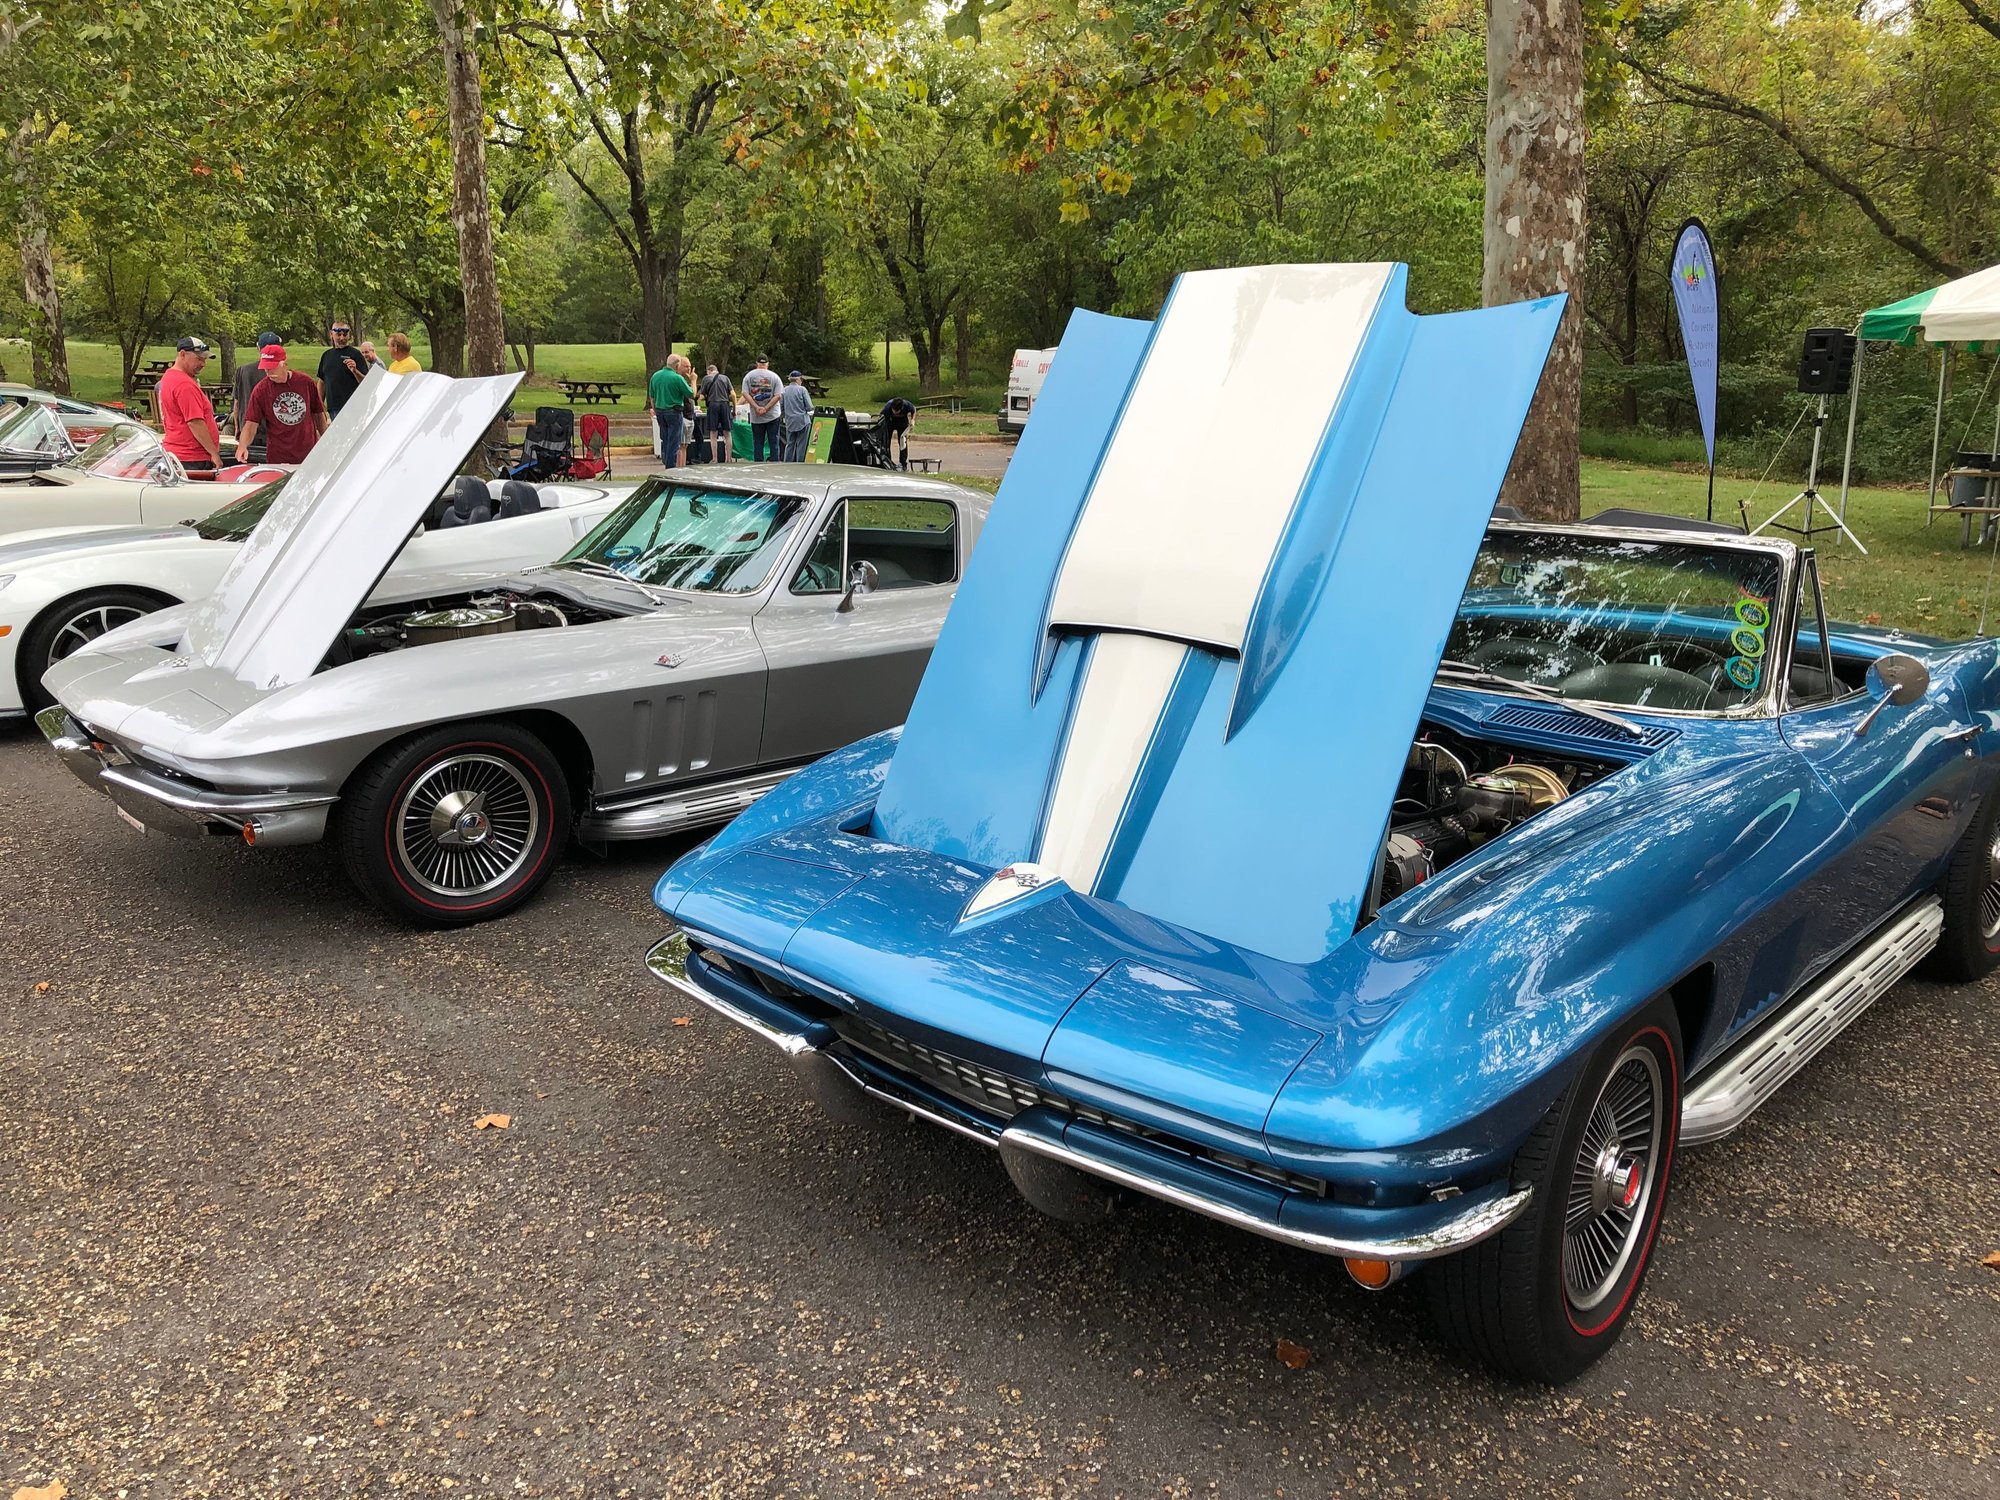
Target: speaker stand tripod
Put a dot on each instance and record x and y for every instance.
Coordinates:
(1811, 496)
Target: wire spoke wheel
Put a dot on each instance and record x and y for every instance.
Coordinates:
(1613, 1178)
(83, 628)
(467, 825)
(1989, 896)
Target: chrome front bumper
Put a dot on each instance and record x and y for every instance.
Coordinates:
(161, 803)
(845, 1085)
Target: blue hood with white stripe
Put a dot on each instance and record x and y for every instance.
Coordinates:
(1189, 687)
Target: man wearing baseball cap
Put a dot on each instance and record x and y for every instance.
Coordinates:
(247, 376)
(286, 406)
(187, 418)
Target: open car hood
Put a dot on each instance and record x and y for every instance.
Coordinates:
(1190, 689)
(343, 516)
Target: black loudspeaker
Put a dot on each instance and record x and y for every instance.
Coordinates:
(1826, 364)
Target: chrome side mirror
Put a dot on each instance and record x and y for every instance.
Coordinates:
(861, 579)
(1898, 679)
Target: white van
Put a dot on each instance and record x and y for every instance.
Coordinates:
(1024, 384)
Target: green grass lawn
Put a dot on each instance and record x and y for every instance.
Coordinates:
(1914, 575)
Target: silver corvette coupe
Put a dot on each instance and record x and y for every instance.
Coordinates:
(451, 731)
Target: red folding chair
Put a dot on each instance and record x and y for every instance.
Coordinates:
(593, 457)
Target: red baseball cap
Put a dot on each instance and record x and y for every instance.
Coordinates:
(269, 355)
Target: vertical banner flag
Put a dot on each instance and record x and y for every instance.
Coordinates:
(1695, 301)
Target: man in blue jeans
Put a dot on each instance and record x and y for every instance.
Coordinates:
(762, 388)
(795, 402)
(667, 395)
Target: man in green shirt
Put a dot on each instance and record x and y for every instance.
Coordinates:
(667, 395)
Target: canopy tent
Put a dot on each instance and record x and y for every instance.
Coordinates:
(1965, 311)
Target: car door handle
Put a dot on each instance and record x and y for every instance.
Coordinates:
(1969, 732)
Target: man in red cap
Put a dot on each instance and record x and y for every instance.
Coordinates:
(187, 417)
(286, 406)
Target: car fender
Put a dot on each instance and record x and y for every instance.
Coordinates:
(1476, 994)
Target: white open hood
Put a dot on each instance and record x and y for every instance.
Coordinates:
(343, 517)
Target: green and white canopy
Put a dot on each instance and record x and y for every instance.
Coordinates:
(1965, 311)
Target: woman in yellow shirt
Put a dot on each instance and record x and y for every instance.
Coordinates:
(400, 361)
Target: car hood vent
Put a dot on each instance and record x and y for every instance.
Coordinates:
(1575, 726)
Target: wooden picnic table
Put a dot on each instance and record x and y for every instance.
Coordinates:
(951, 403)
(589, 391)
(158, 366)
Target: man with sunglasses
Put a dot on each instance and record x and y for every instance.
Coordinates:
(187, 417)
(341, 369)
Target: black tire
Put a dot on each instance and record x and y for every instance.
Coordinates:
(409, 855)
(1969, 946)
(1545, 1298)
(70, 623)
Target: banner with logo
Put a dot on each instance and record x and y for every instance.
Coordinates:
(1696, 302)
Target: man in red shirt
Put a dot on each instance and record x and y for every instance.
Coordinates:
(187, 420)
(286, 407)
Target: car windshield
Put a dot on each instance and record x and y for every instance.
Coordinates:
(31, 429)
(126, 451)
(690, 537)
(233, 522)
(1670, 624)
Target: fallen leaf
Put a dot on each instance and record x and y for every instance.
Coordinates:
(1992, 1260)
(55, 1489)
(1293, 1356)
(492, 1122)
(1873, 617)
(684, 1020)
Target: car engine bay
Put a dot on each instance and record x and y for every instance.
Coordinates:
(430, 622)
(1458, 793)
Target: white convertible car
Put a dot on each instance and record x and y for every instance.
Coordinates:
(59, 589)
(39, 429)
(124, 478)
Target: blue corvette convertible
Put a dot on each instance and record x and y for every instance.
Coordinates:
(1301, 845)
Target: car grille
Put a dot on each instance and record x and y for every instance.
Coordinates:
(997, 1094)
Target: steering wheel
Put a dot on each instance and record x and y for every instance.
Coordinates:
(1529, 660)
(1696, 658)
(820, 578)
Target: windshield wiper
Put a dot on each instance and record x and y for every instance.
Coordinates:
(597, 569)
(1467, 673)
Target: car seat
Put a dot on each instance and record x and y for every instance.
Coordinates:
(518, 498)
(471, 502)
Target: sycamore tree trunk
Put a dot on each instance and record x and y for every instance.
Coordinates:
(471, 209)
(49, 348)
(1535, 224)
(963, 352)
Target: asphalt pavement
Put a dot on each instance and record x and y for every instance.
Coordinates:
(253, 1244)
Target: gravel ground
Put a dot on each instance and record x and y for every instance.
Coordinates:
(251, 1244)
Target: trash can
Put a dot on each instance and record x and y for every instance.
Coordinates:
(1972, 489)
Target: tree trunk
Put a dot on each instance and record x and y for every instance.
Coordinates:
(964, 350)
(225, 342)
(653, 333)
(444, 324)
(528, 338)
(929, 348)
(1535, 222)
(48, 345)
(471, 209)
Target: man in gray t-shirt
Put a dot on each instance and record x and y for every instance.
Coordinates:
(796, 404)
(761, 389)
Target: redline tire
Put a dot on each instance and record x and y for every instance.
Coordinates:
(1545, 1298)
(1969, 946)
(455, 825)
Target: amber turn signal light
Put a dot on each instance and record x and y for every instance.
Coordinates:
(1373, 1274)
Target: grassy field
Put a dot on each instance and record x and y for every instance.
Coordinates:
(94, 376)
(1914, 576)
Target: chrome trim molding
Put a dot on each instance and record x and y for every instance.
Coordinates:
(1466, 1228)
(683, 807)
(1732, 1092)
(804, 1049)
(227, 806)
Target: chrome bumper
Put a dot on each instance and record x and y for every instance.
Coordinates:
(845, 1087)
(157, 802)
